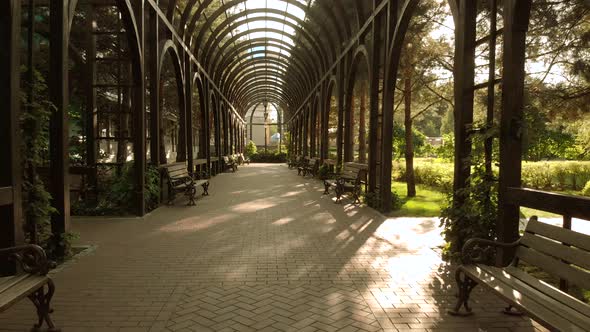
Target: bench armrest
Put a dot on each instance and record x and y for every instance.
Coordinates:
(30, 257)
(480, 250)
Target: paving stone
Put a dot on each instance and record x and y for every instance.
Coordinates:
(266, 251)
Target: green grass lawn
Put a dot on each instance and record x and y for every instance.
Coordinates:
(427, 202)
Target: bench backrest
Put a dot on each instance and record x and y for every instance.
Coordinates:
(356, 171)
(558, 251)
(176, 170)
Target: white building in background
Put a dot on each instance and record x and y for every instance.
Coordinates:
(262, 128)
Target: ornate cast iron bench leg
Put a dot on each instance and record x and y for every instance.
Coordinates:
(466, 285)
(42, 301)
(326, 188)
(191, 192)
(339, 191)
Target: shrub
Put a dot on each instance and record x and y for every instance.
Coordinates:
(269, 157)
(475, 218)
(250, 149)
(373, 200)
(586, 190)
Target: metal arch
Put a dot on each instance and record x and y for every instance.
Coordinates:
(237, 36)
(168, 47)
(129, 18)
(261, 86)
(195, 17)
(254, 81)
(312, 75)
(361, 53)
(254, 76)
(278, 104)
(280, 72)
(314, 43)
(231, 57)
(271, 98)
(253, 73)
(342, 18)
(234, 71)
(242, 46)
(223, 30)
(229, 68)
(232, 3)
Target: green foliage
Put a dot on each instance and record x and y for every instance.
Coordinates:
(556, 175)
(399, 141)
(34, 125)
(269, 157)
(427, 172)
(447, 150)
(374, 200)
(586, 190)
(475, 217)
(250, 149)
(119, 197)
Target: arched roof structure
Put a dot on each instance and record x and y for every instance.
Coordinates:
(263, 50)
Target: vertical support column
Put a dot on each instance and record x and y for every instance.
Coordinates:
(340, 131)
(206, 109)
(139, 132)
(464, 81)
(182, 138)
(306, 132)
(188, 106)
(218, 147)
(154, 88)
(312, 129)
(374, 148)
(387, 125)
(58, 132)
(11, 227)
(91, 111)
(516, 19)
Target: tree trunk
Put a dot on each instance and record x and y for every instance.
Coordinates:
(362, 124)
(409, 153)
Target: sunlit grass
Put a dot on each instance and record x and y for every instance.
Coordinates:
(427, 203)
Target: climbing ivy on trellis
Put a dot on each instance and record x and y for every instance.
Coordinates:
(477, 215)
(34, 125)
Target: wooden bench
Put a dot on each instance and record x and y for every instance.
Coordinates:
(309, 167)
(295, 161)
(242, 160)
(230, 163)
(33, 283)
(181, 181)
(557, 251)
(350, 179)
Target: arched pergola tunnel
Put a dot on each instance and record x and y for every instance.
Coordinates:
(223, 58)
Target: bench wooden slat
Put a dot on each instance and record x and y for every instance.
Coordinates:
(551, 291)
(559, 234)
(536, 303)
(557, 249)
(21, 289)
(554, 266)
(7, 282)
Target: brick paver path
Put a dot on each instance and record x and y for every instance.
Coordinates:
(265, 252)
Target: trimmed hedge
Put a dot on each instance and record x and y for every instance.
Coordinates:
(545, 175)
(268, 157)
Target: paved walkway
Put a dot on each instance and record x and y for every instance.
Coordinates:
(265, 252)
